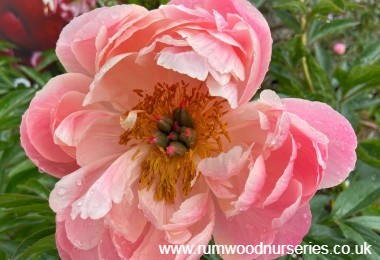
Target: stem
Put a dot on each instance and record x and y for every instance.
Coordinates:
(304, 45)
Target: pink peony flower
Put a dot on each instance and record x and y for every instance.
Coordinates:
(156, 143)
(339, 48)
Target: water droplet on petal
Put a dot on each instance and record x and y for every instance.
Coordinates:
(115, 15)
(61, 191)
(78, 182)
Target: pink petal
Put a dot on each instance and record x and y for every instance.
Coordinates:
(293, 232)
(67, 251)
(74, 185)
(116, 84)
(183, 61)
(100, 139)
(84, 233)
(260, 36)
(126, 219)
(73, 128)
(110, 187)
(342, 138)
(279, 166)
(40, 117)
(224, 165)
(76, 47)
(106, 247)
(54, 168)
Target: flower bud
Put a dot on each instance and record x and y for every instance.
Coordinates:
(339, 48)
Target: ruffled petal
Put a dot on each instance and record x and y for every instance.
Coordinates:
(341, 136)
(76, 47)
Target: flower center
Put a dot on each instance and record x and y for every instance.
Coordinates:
(183, 126)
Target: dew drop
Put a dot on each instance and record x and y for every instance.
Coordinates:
(61, 191)
(115, 15)
(41, 170)
(79, 182)
(77, 39)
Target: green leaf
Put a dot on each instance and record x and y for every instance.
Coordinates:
(324, 58)
(321, 81)
(256, 3)
(333, 27)
(39, 78)
(289, 20)
(317, 206)
(325, 7)
(372, 222)
(370, 55)
(13, 200)
(15, 99)
(362, 235)
(364, 75)
(44, 244)
(35, 187)
(31, 240)
(369, 152)
(355, 198)
(290, 5)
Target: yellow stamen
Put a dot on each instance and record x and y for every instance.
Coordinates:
(159, 169)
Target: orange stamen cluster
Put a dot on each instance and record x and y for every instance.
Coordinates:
(181, 139)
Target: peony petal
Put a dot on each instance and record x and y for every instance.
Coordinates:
(224, 165)
(110, 187)
(84, 233)
(76, 47)
(126, 219)
(54, 168)
(106, 247)
(342, 138)
(40, 117)
(67, 251)
(183, 61)
(259, 36)
(74, 185)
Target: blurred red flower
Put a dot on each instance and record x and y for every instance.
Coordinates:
(34, 25)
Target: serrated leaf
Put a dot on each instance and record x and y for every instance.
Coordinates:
(333, 27)
(371, 222)
(355, 198)
(369, 152)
